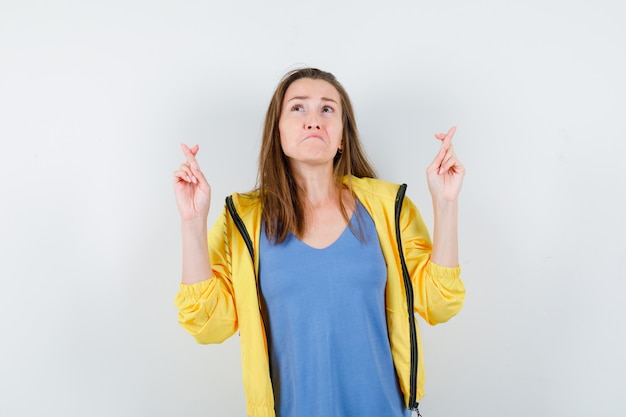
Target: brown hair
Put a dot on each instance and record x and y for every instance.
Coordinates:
(283, 208)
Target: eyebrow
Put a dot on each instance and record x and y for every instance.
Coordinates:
(307, 97)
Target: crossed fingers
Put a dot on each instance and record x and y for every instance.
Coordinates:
(188, 170)
(446, 159)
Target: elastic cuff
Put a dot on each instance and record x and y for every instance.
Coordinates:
(191, 293)
(443, 272)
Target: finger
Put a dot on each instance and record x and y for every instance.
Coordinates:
(447, 165)
(449, 133)
(198, 175)
(452, 164)
(188, 169)
(436, 163)
(190, 156)
(190, 173)
(182, 176)
(442, 163)
(445, 157)
(448, 155)
(446, 138)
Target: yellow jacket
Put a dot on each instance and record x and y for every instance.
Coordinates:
(213, 310)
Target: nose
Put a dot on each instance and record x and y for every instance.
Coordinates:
(312, 122)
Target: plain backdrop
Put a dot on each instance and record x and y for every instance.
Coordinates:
(95, 98)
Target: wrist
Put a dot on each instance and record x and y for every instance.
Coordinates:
(198, 224)
(443, 205)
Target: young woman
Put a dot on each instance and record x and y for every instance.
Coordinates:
(322, 266)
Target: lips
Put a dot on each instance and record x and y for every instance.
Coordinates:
(314, 137)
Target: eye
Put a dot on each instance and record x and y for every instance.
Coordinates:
(297, 107)
(327, 109)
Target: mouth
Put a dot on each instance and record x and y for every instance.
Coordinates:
(313, 137)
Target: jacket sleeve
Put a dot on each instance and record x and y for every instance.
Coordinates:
(207, 309)
(438, 291)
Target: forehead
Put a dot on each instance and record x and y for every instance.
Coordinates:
(310, 88)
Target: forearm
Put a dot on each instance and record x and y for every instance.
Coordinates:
(445, 234)
(196, 263)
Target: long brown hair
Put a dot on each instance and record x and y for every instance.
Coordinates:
(283, 207)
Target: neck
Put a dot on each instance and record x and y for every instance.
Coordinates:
(317, 184)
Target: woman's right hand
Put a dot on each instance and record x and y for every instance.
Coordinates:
(192, 190)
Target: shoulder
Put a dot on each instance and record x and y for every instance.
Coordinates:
(381, 197)
(246, 204)
(373, 188)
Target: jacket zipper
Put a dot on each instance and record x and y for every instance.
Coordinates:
(408, 287)
(248, 241)
(240, 226)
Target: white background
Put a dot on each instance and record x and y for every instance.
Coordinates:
(95, 98)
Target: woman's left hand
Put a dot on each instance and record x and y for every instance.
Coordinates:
(445, 174)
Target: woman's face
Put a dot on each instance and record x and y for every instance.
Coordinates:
(310, 123)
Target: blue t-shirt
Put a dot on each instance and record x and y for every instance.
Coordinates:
(327, 331)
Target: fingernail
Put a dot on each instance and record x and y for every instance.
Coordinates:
(195, 181)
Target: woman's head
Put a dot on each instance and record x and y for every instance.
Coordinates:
(310, 125)
(276, 181)
(351, 161)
